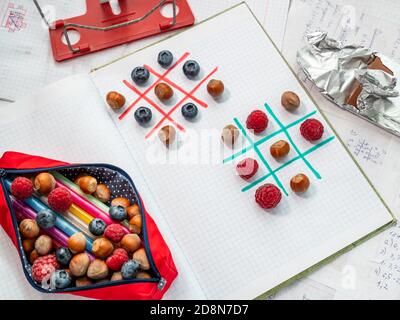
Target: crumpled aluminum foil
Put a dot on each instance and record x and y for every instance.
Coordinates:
(335, 68)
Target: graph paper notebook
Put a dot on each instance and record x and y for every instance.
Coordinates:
(224, 244)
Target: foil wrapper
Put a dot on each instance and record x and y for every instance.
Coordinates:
(336, 69)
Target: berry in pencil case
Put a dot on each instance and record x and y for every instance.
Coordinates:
(41, 200)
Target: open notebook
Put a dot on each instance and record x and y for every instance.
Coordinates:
(225, 246)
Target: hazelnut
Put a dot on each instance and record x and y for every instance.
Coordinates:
(132, 211)
(163, 91)
(33, 256)
(44, 183)
(79, 264)
(97, 269)
(143, 275)
(120, 201)
(87, 184)
(29, 229)
(300, 183)
(102, 247)
(167, 135)
(115, 100)
(135, 224)
(280, 149)
(116, 276)
(215, 88)
(84, 281)
(77, 242)
(229, 135)
(76, 181)
(102, 193)
(28, 245)
(131, 242)
(43, 245)
(141, 257)
(290, 101)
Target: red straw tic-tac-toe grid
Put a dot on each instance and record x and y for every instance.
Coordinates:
(163, 77)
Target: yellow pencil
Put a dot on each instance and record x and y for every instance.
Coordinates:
(81, 214)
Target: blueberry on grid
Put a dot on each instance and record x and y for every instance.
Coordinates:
(143, 115)
(140, 75)
(191, 69)
(189, 111)
(165, 58)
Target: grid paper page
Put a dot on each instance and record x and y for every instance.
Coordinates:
(65, 121)
(236, 249)
(275, 20)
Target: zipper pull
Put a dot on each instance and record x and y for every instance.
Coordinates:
(161, 284)
(3, 173)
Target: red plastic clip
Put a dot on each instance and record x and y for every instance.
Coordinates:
(99, 28)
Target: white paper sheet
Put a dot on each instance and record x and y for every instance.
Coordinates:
(362, 272)
(203, 202)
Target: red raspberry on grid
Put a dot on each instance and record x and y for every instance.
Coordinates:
(257, 121)
(312, 129)
(268, 196)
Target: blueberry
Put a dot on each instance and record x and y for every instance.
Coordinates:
(140, 75)
(63, 256)
(165, 58)
(60, 279)
(46, 219)
(117, 213)
(189, 110)
(97, 227)
(191, 69)
(143, 115)
(130, 269)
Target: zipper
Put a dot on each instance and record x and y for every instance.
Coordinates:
(161, 282)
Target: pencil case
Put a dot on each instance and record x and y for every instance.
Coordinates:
(82, 229)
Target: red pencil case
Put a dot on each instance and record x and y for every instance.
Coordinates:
(157, 272)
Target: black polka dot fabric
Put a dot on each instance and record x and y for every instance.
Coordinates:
(116, 182)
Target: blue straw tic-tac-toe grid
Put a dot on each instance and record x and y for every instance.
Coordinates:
(254, 145)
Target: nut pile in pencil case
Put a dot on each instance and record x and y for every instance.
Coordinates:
(164, 92)
(268, 196)
(104, 248)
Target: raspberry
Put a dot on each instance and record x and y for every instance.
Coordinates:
(60, 199)
(43, 267)
(268, 196)
(114, 232)
(247, 168)
(21, 188)
(257, 121)
(312, 129)
(118, 258)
